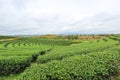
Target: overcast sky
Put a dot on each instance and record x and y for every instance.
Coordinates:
(59, 16)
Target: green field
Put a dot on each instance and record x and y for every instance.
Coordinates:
(36, 58)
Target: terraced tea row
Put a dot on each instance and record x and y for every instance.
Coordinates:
(16, 54)
(93, 66)
(57, 59)
(83, 48)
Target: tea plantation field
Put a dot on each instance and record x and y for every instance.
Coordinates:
(32, 58)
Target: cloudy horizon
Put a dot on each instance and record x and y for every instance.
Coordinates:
(27, 17)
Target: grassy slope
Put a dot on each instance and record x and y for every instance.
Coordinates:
(36, 46)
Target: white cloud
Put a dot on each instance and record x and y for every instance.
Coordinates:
(57, 16)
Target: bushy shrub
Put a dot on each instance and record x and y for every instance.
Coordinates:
(12, 65)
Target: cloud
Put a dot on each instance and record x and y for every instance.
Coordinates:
(100, 23)
(59, 16)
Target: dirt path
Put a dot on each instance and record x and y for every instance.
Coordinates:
(8, 39)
